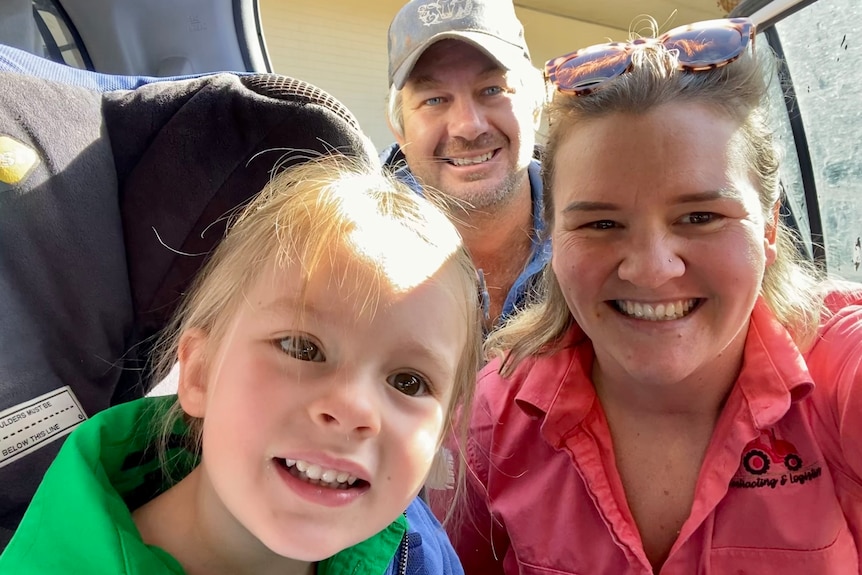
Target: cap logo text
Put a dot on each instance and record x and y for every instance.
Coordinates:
(442, 10)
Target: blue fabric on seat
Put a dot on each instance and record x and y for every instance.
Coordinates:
(15, 60)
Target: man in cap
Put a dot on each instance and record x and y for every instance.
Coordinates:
(464, 104)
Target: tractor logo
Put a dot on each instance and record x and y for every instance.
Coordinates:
(767, 450)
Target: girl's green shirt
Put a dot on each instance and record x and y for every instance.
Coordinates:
(80, 521)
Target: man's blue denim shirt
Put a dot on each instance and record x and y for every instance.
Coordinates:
(541, 252)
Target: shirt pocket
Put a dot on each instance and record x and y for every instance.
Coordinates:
(838, 558)
(526, 569)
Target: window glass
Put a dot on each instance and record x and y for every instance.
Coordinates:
(791, 177)
(57, 38)
(822, 46)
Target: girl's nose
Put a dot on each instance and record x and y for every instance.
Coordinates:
(350, 407)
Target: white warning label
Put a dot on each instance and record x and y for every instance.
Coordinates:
(37, 422)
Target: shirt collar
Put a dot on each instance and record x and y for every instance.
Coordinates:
(558, 388)
(541, 249)
(373, 555)
(774, 374)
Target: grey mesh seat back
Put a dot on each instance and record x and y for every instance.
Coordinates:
(109, 205)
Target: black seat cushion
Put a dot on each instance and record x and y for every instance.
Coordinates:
(65, 300)
(188, 153)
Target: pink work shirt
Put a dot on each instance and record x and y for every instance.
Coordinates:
(779, 491)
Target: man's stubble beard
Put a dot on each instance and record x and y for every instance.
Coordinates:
(486, 199)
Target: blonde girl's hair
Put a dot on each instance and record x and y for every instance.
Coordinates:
(791, 285)
(302, 218)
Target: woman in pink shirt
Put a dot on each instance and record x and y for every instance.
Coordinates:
(685, 395)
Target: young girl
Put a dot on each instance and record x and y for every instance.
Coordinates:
(322, 352)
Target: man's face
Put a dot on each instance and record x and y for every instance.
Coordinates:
(468, 131)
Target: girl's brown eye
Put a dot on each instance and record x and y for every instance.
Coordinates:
(409, 384)
(301, 348)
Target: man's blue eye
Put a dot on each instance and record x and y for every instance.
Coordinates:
(409, 384)
(301, 348)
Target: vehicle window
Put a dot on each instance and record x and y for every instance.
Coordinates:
(821, 46)
(59, 40)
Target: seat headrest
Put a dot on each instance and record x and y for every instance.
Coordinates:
(189, 152)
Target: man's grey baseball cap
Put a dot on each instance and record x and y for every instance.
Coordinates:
(489, 25)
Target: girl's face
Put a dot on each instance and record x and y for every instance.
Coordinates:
(659, 241)
(320, 427)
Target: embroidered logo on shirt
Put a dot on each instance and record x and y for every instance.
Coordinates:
(770, 461)
(443, 10)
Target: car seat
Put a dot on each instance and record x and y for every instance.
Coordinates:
(110, 201)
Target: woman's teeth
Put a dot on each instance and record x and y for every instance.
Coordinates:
(656, 312)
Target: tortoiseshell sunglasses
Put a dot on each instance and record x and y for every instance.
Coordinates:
(701, 46)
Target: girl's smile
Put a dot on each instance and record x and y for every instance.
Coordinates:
(326, 487)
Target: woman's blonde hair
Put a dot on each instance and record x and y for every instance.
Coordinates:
(739, 90)
(302, 218)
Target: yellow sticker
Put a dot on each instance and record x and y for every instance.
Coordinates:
(17, 160)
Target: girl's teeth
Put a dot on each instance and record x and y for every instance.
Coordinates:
(328, 476)
(314, 472)
(318, 475)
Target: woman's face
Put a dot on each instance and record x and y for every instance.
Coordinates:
(659, 240)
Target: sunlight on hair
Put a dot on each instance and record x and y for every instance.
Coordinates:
(406, 253)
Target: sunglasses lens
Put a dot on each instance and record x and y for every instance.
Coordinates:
(706, 48)
(583, 71)
(700, 46)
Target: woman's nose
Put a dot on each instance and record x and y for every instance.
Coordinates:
(651, 262)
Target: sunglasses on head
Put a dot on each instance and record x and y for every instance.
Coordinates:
(701, 46)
